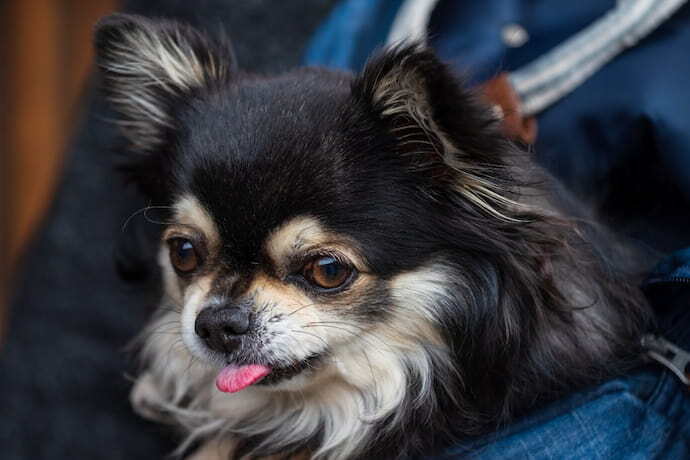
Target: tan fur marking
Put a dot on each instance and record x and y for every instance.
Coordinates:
(289, 299)
(305, 233)
(190, 212)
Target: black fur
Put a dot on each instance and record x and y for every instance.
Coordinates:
(257, 151)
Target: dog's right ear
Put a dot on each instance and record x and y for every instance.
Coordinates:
(149, 66)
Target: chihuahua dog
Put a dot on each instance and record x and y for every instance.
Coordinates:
(353, 266)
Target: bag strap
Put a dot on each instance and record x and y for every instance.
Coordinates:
(525, 92)
(668, 355)
(557, 73)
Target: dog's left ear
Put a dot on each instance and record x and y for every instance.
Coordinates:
(444, 131)
(150, 65)
(410, 89)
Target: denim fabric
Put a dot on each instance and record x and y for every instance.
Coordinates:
(674, 268)
(643, 416)
(351, 32)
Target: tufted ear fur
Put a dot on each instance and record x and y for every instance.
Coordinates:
(442, 129)
(149, 65)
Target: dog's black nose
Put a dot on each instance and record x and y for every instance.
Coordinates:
(222, 327)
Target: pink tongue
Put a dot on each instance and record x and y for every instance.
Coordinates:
(235, 378)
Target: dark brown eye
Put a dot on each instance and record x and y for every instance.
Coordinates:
(327, 272)
(183, 255)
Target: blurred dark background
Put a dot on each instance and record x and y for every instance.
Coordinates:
(46, 58)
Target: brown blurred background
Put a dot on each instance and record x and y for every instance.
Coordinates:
(46, 57)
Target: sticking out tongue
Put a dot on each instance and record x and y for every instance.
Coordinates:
(235, 378)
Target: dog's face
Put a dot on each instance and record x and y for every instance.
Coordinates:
(313, 213)
(282, 298)
(285, 244)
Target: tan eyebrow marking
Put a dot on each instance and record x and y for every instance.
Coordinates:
(293, 235)
(306, 232)
(189, 211)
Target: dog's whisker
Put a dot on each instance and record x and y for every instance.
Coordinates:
(363, 336)
(301, 308)
(296, 331)
(143, 210)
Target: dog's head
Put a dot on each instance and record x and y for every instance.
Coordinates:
(323, 225)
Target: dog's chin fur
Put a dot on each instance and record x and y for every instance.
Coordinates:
(476, 298)
(331, 412)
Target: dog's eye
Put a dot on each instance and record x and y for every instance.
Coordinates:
(183, 255)
(327, 272)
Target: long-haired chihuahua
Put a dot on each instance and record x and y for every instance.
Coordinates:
(353, 265)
